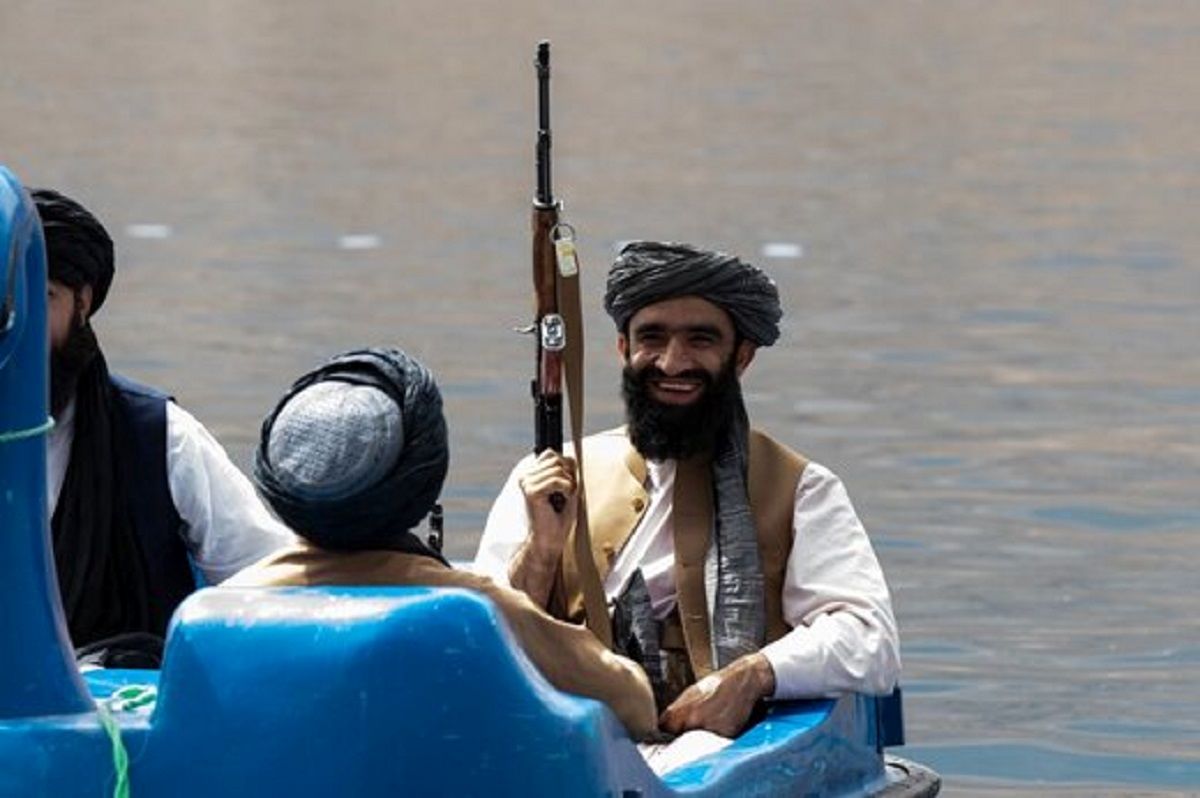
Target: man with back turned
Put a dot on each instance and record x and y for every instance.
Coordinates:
(353, 457)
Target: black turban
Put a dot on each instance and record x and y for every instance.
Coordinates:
(647, 272)
(354, 455)
(78, 249)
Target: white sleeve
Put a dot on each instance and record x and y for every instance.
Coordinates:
(506, 529)
(226, 526)
(844, 636)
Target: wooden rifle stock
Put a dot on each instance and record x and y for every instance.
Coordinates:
(547, 385)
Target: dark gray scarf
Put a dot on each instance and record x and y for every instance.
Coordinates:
(739, 617)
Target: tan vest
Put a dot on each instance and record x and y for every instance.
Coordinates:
(615, 478)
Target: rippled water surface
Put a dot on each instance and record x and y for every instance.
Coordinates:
(982, 216)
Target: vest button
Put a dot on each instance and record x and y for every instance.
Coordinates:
(638, 504)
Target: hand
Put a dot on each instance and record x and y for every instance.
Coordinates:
(722, 701)
(549, 474)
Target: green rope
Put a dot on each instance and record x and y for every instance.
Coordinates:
(22, 434)
(119, 755)
(131, 697)
(127, 699)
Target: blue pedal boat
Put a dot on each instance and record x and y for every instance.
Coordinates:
(332, 691)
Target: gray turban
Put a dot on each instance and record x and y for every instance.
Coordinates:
(355, 454)
(647, 272)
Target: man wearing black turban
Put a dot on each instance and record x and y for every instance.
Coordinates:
(138, 489)
(353, 458)
(735, 569)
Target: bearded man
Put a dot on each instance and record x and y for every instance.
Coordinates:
(138, 488)
(735, 570)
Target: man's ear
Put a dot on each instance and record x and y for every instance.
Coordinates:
(623, 347)
(744, 355)
(83, 302)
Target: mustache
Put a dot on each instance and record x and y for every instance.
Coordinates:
(647, 373)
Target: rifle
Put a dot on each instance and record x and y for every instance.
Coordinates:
(558, 328)
(549, 325)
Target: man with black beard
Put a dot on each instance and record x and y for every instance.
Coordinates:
(138, 489)
(735, 570)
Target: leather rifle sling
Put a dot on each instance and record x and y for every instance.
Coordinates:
(594, 605)
(693, 521)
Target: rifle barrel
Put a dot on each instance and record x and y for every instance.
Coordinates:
(545, 195)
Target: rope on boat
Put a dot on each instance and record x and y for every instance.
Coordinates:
(119, 754)
(131, 697)
(21, 434)
(127, 699)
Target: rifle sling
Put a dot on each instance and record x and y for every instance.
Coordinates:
(594, 604)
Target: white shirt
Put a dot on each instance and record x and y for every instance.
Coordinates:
(843, 636)
(225, 525)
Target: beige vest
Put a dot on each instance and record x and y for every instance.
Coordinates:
(615, 478)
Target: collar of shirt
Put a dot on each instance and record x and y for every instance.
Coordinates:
(651, 545)
(58, 453)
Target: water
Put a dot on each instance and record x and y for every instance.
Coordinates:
(982, 217)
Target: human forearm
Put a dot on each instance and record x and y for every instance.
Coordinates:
(533, 569)
(837, 653)
(535, 564)
(574, 661)
(226, 527)
(836, 600)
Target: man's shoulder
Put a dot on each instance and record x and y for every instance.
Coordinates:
(137, 390)
(609, 443)
(609, 437)
(769, 456)
(763, 440)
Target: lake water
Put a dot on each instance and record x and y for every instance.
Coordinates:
(982, 217)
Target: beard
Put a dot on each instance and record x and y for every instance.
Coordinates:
(69, 361)
(662, 431)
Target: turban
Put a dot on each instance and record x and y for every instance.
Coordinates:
(78, 249)
(354, 455)
(646, 272)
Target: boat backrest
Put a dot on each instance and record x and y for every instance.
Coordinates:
(40, 677)
(367, 691)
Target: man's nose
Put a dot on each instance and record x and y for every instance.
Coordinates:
(675, 357)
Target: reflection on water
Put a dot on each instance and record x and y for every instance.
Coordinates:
(981, 217)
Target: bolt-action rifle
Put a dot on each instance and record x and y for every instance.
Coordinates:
(550, 328)
(558, 328)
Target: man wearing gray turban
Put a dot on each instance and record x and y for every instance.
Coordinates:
(735, 569)
(353, 458)
(139, 491)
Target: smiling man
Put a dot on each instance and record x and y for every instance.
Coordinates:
(735, 569)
